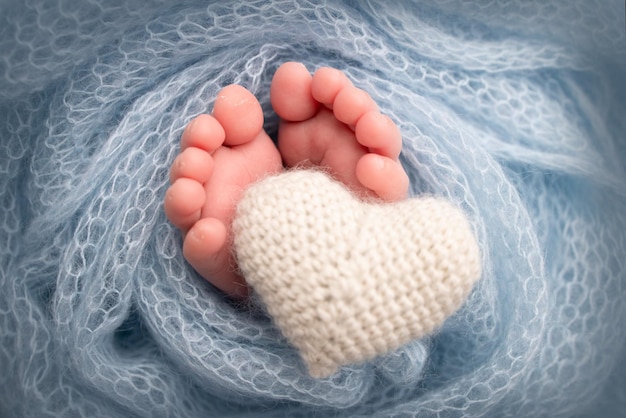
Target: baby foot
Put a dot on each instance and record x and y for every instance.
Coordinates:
(221, 154)
(326, 121)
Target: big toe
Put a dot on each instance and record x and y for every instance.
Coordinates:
(290, 93)
(239, 113)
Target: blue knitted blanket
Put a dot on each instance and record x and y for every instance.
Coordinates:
(515, 110)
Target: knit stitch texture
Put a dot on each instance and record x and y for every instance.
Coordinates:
(513, 110)
(347, 280)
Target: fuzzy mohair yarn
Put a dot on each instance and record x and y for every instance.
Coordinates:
(511, 110)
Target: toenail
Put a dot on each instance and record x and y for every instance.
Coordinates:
(379, 162)
(235, 103)
(197, 235)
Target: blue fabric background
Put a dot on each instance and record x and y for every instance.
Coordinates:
(513, 109)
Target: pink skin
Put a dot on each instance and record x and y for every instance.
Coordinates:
(325, 121)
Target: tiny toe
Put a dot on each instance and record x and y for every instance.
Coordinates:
(193, 163)
(183, 202)
(203, 132)
(239, 113)
(204, 240)
(378, 132)
(327, 82)
(204, 248)
(383, 176)
(290, 93)
(351, 103)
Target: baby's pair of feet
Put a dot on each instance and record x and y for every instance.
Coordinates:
(325, 121)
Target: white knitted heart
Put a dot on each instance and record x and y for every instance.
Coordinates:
(346, 280)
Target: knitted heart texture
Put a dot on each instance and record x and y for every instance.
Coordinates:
(345, 279)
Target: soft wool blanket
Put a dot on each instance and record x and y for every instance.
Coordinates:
(513, 110)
